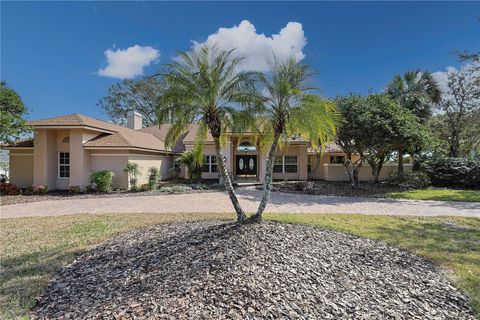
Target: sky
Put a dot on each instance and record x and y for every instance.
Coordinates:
(61, 57)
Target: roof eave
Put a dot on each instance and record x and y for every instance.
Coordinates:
(128, 148)
(72, 127)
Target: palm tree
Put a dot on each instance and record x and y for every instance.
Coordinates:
(289, 111)
(205, 87)
(132, 169)
(416, 91)
(187, 159)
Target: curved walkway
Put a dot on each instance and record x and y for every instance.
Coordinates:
(249, 198)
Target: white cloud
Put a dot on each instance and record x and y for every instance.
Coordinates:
(128, 63)
(442, 78)
(258, 49)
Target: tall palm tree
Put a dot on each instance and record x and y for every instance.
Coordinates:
(416, 91)
(289, 110)
(205, 87)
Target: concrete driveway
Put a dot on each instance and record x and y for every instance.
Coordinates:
(249, 198)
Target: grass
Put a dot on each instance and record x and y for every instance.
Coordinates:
(435, 194)
(33, 249)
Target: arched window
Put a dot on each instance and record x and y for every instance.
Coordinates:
(66, 140)
(246, 146)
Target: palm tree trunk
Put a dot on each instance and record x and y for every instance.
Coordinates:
(257, 217)
(228, 182)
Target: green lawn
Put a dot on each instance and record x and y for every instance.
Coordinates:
(33, 249)
(435, 194)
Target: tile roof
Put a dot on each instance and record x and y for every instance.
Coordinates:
(120, 136)
(21, 143)
(76, 119)
(160, 132)
(152, 138)
(126, 137)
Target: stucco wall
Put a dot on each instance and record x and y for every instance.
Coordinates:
(162, 162)
(302, 161)
(336, 172)
(45, 158)
(113, 162)
(21, 168)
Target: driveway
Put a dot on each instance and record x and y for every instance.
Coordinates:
(249, 198)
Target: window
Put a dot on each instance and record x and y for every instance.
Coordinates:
(309, 165)
(210, 164)
(63, 165)
(278, 164)
(290, 164)
(285, 164)
(337, 159)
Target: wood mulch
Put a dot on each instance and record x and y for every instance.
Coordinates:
(205, 270)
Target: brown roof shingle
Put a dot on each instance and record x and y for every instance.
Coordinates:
(119, 137)
(75, 120)
(21, 143)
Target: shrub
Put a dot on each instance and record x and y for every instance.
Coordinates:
(299, 186)
(8, 189)
(409, 180)
(132, 170)
(29, 191)
(145, 187)
(309, 187)
(175, 171)
(452, 172)
(89, 188)
(102, 180)
(40, 189)
(219, 186)
(153, 178)
(74, 189)
(198, 186)
(175, 189)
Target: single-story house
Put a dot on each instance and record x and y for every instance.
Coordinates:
(66, 149)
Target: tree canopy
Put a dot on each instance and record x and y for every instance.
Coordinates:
(142, 96)
(458, 120)
(373, 127)
(416, 91)
(12, 113)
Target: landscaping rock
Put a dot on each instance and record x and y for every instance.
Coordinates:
(211, 269)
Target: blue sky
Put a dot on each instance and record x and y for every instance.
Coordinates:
(51, 52)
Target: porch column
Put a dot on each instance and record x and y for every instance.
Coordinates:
(78, 160)
(302, 162)
(227, 152)
(45, 158)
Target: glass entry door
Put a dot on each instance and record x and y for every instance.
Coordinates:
(246, 166)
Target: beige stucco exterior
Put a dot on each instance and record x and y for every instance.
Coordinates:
(40, 164)
(21, 167)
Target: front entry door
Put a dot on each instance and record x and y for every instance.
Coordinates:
(246, 166)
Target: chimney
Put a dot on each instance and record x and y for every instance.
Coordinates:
(134, 120)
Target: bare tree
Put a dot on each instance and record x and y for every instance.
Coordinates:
(460, 103)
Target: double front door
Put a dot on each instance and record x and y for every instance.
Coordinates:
(246, 166)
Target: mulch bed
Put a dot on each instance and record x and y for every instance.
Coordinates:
(211, 269)
(337, 188)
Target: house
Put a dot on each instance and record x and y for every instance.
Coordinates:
(66, 149)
